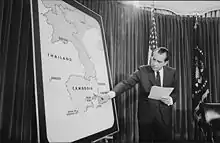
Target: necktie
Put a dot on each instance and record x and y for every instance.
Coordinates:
(158, 79)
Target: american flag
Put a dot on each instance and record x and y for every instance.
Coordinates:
(153, 35)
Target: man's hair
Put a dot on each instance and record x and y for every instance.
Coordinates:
(162, 50)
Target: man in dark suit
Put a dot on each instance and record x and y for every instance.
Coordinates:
(154, 116)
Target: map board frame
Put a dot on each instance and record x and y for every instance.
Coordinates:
(38, 79)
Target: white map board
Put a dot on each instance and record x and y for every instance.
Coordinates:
(71, 69)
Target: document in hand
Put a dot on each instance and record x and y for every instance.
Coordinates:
(157, 92)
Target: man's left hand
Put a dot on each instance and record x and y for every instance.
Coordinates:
(167, 100)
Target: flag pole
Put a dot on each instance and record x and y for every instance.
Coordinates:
(153, 33)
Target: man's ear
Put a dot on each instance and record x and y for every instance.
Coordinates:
(165, 63)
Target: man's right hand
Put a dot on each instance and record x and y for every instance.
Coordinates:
(103, 98)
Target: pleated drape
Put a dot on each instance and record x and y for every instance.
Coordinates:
(176, 33)
(209, 29)
(17, 117)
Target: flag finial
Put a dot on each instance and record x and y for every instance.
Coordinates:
(153, 33)
(196, 22)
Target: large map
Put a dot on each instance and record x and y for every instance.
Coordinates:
(74, 72)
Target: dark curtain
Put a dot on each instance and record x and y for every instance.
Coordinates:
(17, 115)
(127, 29)
(209, 43)
(176, 33)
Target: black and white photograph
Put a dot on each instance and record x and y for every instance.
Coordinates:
(109, 71)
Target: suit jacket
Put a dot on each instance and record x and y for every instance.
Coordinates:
(148, 109)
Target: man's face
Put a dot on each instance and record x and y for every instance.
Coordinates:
(158, 61)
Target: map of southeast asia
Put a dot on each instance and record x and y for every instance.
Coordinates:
(74, 72)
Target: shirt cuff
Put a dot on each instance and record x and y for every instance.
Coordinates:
(111, 94)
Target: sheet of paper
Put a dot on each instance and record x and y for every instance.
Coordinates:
(157, 92)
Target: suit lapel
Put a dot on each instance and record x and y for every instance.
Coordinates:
(152, 76)
(165, 76)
